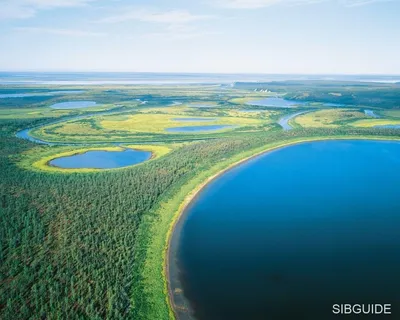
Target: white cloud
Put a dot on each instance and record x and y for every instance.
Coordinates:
(180, 32)
(61, 32)
(254, 4)
(146, 15)
(22, 9)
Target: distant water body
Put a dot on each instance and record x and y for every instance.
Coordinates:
(101, 78)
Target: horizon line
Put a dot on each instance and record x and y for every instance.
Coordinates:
(203, 73)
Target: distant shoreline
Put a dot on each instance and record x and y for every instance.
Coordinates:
(73, 78)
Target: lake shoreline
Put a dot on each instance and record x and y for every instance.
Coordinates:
(198, 188)
(106, 149)
(32, 161)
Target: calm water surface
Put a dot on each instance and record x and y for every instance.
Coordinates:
(199, 128)
(73, 105)
(102, 159)
(290, 233)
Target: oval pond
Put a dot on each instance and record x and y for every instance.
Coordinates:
(98, 159)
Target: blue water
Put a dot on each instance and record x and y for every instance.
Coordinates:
(199, 128)
(39, 94)
(102, 159)
(276, 103)
(371, 113)
(288, 234)
(194, 119)
(73, 105)
(331, 104)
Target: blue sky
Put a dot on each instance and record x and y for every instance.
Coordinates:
(232, 36)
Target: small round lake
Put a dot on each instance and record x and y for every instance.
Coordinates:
(198, 128)
(73, 105)
(102, 159)
(290, 233)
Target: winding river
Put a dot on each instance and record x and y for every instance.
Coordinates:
(26, 133)
(290, 233)
(284, 121)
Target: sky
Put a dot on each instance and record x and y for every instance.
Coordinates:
(210, 36)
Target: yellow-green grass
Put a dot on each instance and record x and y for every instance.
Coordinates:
(38, 159)
(181, 109)
(158, 123)
(264, 114)
(330, 118)
(46, 112)
(249, 98)
(368, 123)
(160, 225)
(34, 113)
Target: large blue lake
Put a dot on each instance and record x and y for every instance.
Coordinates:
(102, 159)
(290, 233)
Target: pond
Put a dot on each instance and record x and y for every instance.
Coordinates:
(290, 233)
(73, 105)
(190, 129)
(276, 103)
(102, 159)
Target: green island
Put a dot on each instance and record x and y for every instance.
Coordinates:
(92, 243)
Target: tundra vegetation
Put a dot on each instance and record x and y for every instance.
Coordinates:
(90, 244)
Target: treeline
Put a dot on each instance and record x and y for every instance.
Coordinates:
(382, 95)
(68, 242)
